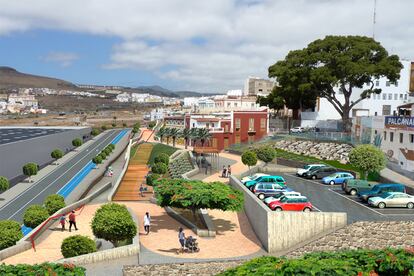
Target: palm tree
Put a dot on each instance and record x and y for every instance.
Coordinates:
(186, 134)
(194, 135)
(161, 133)
(204, 135)
(174, 133)
(167, 134)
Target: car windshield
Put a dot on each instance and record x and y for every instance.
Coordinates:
(384, 195)
(306, 167)
(283, 199)
(255, 177)
(332, 175)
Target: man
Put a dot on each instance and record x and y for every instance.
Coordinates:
(147, 223)
(72, 221)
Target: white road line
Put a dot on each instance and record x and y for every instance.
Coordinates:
(38, 182)
(357, 202)
(311, 181)
(398, 214)
(316, 208)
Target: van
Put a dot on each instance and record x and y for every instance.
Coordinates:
(380, 189)
(354, 186)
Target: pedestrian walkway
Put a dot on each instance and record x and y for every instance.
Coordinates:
(397, 178)
(135, 176)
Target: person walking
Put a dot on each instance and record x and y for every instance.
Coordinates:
(72, 221)
(141, 190)
(181, 238)
(223, 174)
(147, 223)
(228, 171)
(62, 221)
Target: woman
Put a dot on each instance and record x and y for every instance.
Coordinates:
(181, 238)
(147, 223)
(62, 221)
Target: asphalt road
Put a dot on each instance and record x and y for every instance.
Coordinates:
(55, 180)
(329, 198)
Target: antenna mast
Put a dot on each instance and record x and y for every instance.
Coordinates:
(374, 19)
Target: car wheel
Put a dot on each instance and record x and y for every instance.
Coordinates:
(381, 205)
(261, 196)
(332, 182)
(306, 210)
(313, 177)
(278, 209)
(353, 192)
(410, 205)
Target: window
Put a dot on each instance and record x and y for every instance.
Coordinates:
(228, 104)
(237, 139)
(384, 96)
(396, 83)
(376, 113)
(391, 136)
(226, 127)
(263, 123)
(401, 96)
(412, 138)
(385, 136)
(389, 96)
(251, 123)
(395, 97)
(387, 83)
(386, 109)
(235, 104)
(237, 124)
(405, 97)
(401, 138)
(375, 132)
(377, 83)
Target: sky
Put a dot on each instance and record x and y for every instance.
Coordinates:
(197, 45)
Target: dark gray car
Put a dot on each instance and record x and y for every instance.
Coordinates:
(321, 172)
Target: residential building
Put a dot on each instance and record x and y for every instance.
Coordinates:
(157, 114)
(255, 86)
(123, 98)
(23, 100)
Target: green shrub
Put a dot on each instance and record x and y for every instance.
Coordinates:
(107, 151)
(160, 148)
(54, 203)
(162, 158)
(4, 184)
(97, 159)
(77, 142)
(266, 154)
(42, 269)
(151, 124)
(159, 168)
(103, 155)
(113, 124)
(113, 223)
(77, 245)
(151, 178)
(104, 127)
(30, 169)
(35, 215)
(10, 233)
(95, 132)
(56, 154)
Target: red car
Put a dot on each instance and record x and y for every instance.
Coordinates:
(297, 203)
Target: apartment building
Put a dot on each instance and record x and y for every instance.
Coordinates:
(255, 86)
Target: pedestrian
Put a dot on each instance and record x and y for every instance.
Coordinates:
(72, 221)
(147, 223)
(223, 174)
(228, 171)
(181, 238)
(141, 190)
(62, 221)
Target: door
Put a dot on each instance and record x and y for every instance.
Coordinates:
(226, 143)
(289, 205)
(215, 143)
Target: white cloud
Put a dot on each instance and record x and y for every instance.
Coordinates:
(64, 59)
(241, 37)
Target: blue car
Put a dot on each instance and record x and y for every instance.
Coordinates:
(337, 178)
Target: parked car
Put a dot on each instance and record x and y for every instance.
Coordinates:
(297, 203)
(303, 171)
(263, 190)
(297, 129)
(337, 178)
(354, 186)
(266, 179)
(252, 177)
(279, 196)
(392, 199)
(321, 172)
(380, 189)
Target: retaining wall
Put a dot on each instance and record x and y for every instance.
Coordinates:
(279, 231)
(121, 175)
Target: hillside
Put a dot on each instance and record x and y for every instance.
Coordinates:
(11, 78)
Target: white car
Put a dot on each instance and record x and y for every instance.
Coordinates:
(252, 177)
(297, 130)
(307, 168)
(273, 198)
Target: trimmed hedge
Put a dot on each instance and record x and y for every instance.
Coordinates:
(159, 168)
(162, 158)
(34, 216)
(4, 184)
(77, 245)
(42, 269)
(53, 203)
(77, 142)
(10, 233)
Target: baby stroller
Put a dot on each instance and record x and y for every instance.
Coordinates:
(191, 244)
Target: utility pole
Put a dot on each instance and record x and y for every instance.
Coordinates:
(374, 19)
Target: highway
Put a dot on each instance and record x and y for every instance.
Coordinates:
(55, 180)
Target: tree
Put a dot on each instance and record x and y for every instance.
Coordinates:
(159, 168)
(95, 132)
(56, 154)
(124, 124)
(4, 184)
(103, 155)
(174, 133)
(167, 134)
(97, 160)
(10, 233)
(34, 216)
(104, 127)
(54, 203)
(152, 124)
(161, 133)
(332, 68)
(196, 194)
(113, 124)
(203, 134)
(367, 158)
(113, 223)
(266, 154)
(193, 135)
(77, 245)
(77, 142)
(249, 158)
(30, 169)
(162, 158)
(273, 101)
(186, 135)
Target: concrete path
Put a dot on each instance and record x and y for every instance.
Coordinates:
(396, 177)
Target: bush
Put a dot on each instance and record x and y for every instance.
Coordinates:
(151, 178)
(124, 125)
(34, 216)
(56, 154)
(30, 169)
(4, 184)
(97, 159)
(95, 132)
(54, 203)
(42, 269)
(10, 233)
(103, 155)
(104, 127)
(151, 124)
(266, 154)
(113, 223)
(249, 158)
(159, 168)
(113, 124)
(107, 151)
(77, 245)
(162, 158)
(77, 142)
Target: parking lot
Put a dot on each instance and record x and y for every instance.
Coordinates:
(327, 198)
(8, 135)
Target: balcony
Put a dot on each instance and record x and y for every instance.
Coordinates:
(251, 131)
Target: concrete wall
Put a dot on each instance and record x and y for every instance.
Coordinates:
(279, 231)
(14, 155)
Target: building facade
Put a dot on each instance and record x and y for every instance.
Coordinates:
(255, 86)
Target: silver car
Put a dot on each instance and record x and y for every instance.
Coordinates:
(392, 199)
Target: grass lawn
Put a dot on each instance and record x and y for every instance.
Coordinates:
(160, 148)
(133, 150)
